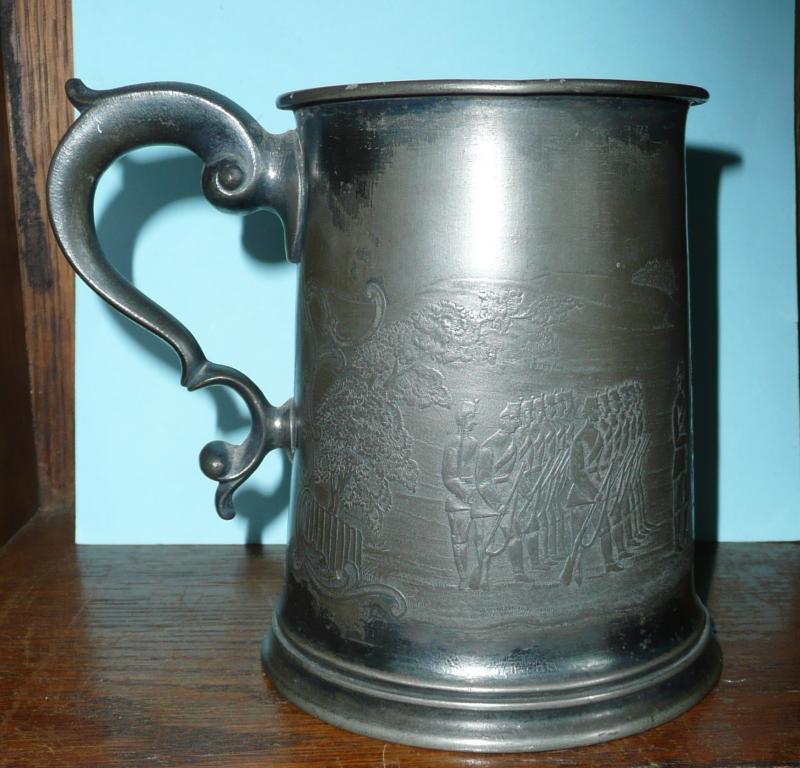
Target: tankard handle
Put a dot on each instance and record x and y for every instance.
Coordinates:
(246, 169)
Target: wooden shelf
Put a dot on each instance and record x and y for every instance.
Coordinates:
(135, 656)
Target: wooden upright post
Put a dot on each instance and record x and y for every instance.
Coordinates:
(36, 284)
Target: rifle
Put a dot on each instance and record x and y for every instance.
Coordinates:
(623, 477)
(635, 461)
(556, 463)
(553, 489)
(632, 462)
(639, 490)
(569, 565)
(518, 477)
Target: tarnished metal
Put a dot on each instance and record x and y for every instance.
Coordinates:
(406, 88)
(490, 542)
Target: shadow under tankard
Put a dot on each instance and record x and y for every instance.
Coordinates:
(704, 170)
(147, 187)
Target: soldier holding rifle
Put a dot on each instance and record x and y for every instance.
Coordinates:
(458, 475)
(494, 522)
(588, 496)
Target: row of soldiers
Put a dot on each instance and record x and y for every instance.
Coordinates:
(553, 479)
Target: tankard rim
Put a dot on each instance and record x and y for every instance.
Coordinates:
(550, 87)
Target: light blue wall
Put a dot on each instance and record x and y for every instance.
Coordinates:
(138, 431)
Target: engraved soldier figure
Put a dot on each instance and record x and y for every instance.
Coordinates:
(680, 460)
(551, 433)
(458, 475)
(639, 429)
(528, 511)
(632, 405)
(619, 455)
(495, 529)
(588, 497)
(522, 512)
(566, 428)
(632, 531)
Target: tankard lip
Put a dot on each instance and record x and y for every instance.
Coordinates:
(553, 87)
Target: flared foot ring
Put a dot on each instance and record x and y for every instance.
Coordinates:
(415, 715)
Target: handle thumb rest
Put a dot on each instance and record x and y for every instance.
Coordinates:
(246, 169)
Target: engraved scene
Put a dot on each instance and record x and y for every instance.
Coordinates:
(425, 481)
(556, 480)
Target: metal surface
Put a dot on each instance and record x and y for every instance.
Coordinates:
(490, 543)
(244, 166)
(560, 87)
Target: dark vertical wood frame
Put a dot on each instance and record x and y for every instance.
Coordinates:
(36, 284)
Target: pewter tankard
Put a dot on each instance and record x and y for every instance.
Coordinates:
(490, 540)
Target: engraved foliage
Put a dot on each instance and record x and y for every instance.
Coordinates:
(363, 445)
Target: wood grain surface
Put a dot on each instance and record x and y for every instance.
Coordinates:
(35, 61)
(137, 656)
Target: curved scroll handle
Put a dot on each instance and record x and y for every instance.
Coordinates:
(246, 168)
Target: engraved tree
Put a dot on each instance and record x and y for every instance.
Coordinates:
(363, 446)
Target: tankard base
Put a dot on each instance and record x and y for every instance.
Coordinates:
(402, 712)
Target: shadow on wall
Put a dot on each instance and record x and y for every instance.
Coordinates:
(139, 198)
(704, 169)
